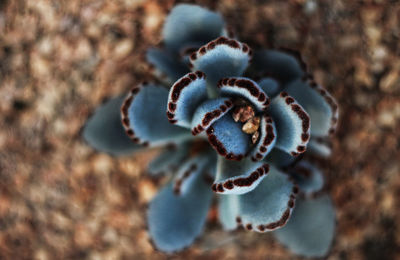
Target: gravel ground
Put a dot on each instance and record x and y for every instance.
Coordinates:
(60, 199)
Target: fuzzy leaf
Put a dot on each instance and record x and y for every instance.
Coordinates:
(104, 131)
(244, 88)
(166, 64)
(268, 206)
(279, 65)
(208, 112)
(168, 160)
(219, 59)
(191, 26)
(308, 177)
(266, 140)
(175, 221)
(292, 123)
(188, 173)
(319, 105)
(143, 116)
(238, 177)
(311, 228)
(280, 158)
(265, 208)
(319, 147)
(184, 97)
(228, 139)
(228, 211)
(270, 86)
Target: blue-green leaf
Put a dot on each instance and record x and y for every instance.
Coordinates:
(185, 96)
(238, 177)
(311, 228)
(292, 123)
(244, 88)
(189, 26)
(175, 221)
(318, 103)
(144, 118)
(267, 139)
(166, 65)
(267, 207)
(221, 58)
(209, 112)
(104, 130)
(228, 139)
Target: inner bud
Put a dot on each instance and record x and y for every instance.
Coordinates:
(252, 125)
(245, 113)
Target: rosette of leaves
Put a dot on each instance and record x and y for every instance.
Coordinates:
(237, 122)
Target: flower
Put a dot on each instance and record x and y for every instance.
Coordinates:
(237, 129)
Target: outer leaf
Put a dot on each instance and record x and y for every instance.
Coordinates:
(191, 26)
(175, 221)
(279, 65)
(185, 96)
(168, 160)
(238, 177)
(188, 173)
(219, 59)
(270, 86)
(308, 177)
(228, 139)
(266, 140)
(319, 147)
(209, 112)
(292, 123)
(270, 205)
(104, 130)
(244, 88)
(143, 116)
(319, 104)
(166, 64)
(266, 208)
(228, 211)
(311, 228)
(280, 158)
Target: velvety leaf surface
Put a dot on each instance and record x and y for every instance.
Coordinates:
(191, 26)
(266, 140)
(279, 65)
(238, 177)
(319, 148)
(168, 160)
(319, 105)
(270, 86)
(208, 112)
(228, 211)
(280, 158)
(244, 88)
(228, 139)
(270, 204)
(188, 172)
(145, 120)
(175, 221)
(219, 59)
(166, 64)
(104, 131)
(184, 97)
(311, 228)
(308, 177)
(292, 123)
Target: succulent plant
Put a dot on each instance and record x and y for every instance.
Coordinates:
(232, 123)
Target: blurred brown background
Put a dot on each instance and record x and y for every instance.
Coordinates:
(60, 199)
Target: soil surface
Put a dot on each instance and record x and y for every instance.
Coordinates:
(60, 199)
